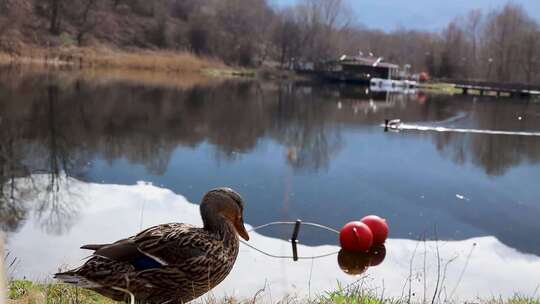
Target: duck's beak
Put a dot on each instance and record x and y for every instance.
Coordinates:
(239, 225)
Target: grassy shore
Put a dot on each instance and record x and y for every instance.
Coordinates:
(177, 63)
(439, 88)
(160, 68)
(26, 292)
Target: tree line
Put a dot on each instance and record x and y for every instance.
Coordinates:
(501, 44)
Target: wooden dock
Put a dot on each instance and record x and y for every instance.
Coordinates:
(496, 89)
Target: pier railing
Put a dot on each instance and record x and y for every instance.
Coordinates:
(496, 88)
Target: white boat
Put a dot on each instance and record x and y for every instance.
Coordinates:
(391, 85)
(392, 124)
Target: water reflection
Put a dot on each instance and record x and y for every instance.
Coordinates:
(40, 147)
(356, 263)
(479, 266)
(495, 154)
(295, 150)
(145, 124)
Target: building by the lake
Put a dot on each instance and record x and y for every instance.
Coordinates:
(350, 68)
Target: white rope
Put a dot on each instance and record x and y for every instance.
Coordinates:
(294, 223)
(287, 256)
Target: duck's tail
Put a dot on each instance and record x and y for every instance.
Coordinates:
(71, 277)
(94, 247)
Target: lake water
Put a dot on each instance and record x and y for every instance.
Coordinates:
(294, 151)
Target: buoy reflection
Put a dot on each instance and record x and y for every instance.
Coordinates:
(356, 263)
(377, 253)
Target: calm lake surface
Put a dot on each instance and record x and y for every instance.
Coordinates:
(293, 150)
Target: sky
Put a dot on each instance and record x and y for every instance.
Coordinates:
(421, 14)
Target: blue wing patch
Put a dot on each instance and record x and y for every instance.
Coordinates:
(144, 263)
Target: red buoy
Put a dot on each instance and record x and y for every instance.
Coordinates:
(355, 237)
(378, 228)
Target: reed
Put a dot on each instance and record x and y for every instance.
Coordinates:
(155, 68)
(26, 292)
(166, 61)
(106, 58)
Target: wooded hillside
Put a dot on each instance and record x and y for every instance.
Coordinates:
(501, 44)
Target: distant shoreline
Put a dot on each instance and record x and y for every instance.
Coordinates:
(101, 57)
(170, 68)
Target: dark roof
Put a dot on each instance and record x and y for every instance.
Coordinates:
(371, 61)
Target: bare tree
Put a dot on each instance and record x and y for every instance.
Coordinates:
(473, 23)
(529, 56)
(12, 16)
(501, 44)
(502, 34)
(84, 20)
(242, 27)
(321, 22)
(286, 37)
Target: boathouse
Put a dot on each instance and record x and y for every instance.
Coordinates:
(348, 68)
(370, 67)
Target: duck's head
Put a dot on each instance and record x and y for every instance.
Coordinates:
(223, 204)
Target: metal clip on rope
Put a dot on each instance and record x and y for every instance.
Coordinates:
(294, 239)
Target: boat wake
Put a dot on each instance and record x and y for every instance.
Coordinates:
(445, 126)
(404, 126)
(457, 117)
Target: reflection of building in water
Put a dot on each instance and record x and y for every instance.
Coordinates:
(363, 100)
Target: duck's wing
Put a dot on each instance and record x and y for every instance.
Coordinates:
(154, 247)
(173, 243)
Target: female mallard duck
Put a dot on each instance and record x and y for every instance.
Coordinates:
(170, 263)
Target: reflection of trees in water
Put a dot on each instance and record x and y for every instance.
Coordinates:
(62, 124)
(311, 150)
(73, 121)
(303, 127)
(23, 154)
(12, 211)
(499, 153)
(56, 128)
(495, 153)
(55, 210)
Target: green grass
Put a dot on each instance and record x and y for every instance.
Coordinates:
(26, 292)
(347, 297)
(439, 87)
(516, 299)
